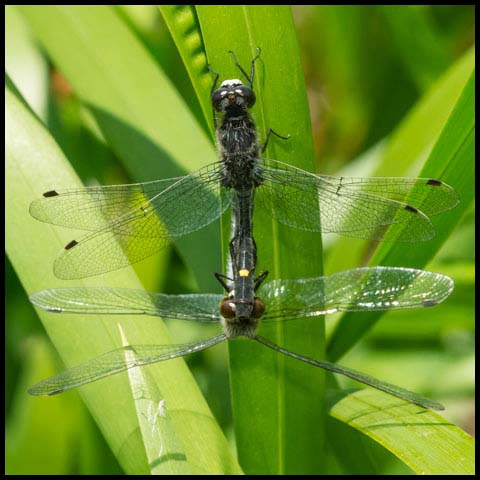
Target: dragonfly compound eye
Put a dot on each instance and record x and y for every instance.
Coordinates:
(258, 308)
(227, 308)
(247, 94)
(218, 99)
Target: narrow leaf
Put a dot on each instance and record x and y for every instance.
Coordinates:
(424, 440)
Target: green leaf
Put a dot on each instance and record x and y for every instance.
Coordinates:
(452, 161)
(32, 160)
(183, 24)
(406, 150)
(424, 440)
(138, 110)
(264, 384)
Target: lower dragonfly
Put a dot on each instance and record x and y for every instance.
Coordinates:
(359, 289)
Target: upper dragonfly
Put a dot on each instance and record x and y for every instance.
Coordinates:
(128, 223)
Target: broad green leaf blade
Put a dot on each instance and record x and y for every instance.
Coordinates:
(359, 454)
(284, 396)
(32, 159)
(138, 110)
(183, 24)
(409, 146)
(452, 161)
(424, 440)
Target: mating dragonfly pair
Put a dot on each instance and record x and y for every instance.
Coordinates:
(131, 222)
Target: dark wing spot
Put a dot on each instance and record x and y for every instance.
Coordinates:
(54, 310)
(409, 208)
(429, 303)
(71, 245)
(55, 392)
(434, 183)
(50, 193)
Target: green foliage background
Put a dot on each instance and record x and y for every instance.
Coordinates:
(390, 92)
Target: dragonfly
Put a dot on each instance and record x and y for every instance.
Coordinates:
(240, 312)
(128, 223)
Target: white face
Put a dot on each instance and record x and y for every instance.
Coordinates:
(234, 82)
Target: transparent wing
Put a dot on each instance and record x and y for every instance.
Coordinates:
(187, 205)
(381, 208)
(123, 301)
(356, 290)
(394, 390)
(117, 361)
(91, 208)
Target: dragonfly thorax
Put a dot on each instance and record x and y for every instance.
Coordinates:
(239, 151)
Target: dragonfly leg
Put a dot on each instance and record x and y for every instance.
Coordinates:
(252, 74)
(215, 78)
(270, 131)
(260, 279)
(233, 247)
(221, 279)
(214, 86)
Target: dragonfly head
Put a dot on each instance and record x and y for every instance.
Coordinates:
(233, 94)
(241, 317)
